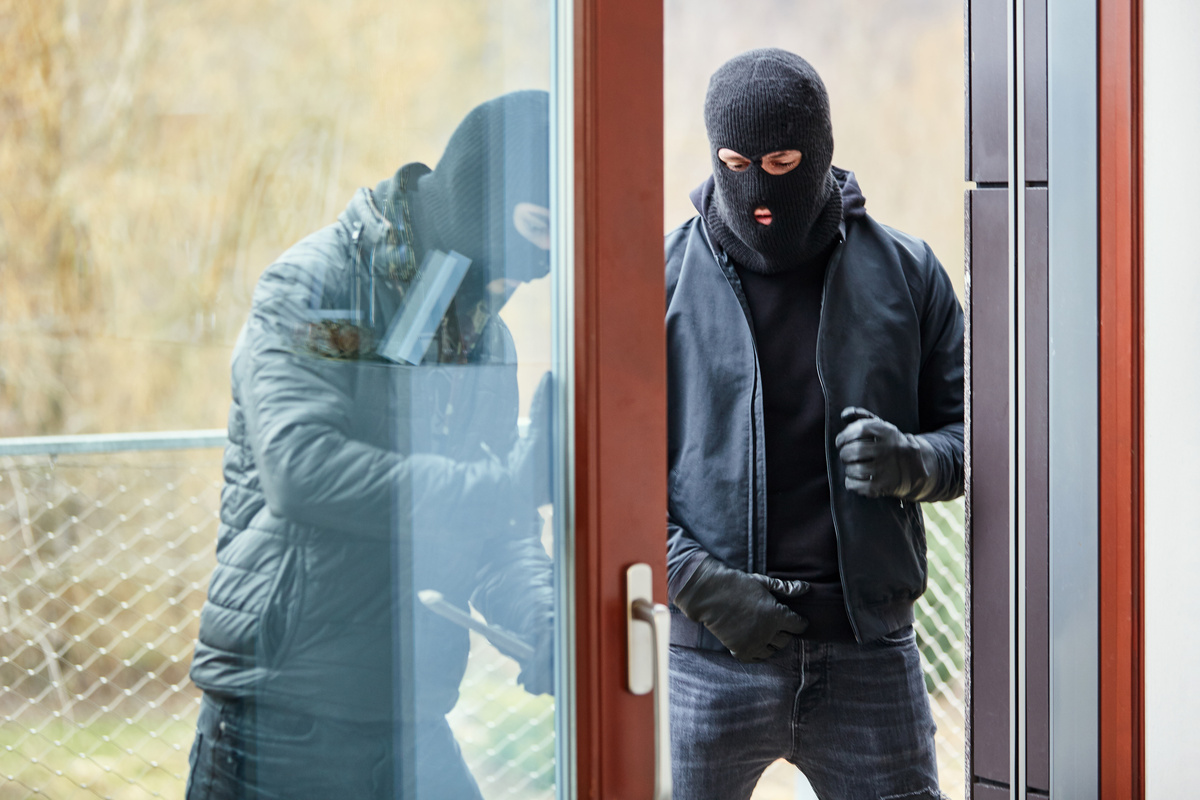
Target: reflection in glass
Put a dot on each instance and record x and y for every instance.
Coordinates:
(377, 487)
(158, 157)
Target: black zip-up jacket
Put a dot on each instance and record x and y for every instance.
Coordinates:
(890, 340)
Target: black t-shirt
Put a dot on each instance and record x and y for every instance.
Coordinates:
(785, 309)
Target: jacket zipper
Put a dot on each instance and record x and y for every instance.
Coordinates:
(723, 261)
(834, 263)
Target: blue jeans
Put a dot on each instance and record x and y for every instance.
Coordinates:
(245, 751)
(854, 718)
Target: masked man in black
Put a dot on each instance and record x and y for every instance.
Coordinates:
(815, 399)
(374, 461)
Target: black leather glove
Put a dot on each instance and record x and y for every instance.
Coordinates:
(529, 459)
(881, 461)
(741, 608)
(537, 672)
(514, 589)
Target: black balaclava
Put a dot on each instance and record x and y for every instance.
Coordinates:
(760, 102)
(498, 156)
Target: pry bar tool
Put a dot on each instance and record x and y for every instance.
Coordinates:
(508, 642)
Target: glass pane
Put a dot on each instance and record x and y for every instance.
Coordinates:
(322, 236)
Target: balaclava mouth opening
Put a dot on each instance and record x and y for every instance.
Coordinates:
(497, 157)
(761, 102)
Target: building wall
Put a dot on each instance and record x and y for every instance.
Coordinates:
(1172, 394)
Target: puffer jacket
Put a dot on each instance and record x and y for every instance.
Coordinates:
(351, 483)
(890, 339)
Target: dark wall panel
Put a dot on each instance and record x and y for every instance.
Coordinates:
(1035, 91)
(1037, 488)
(987, 137)
(981, 791)
(989, 309)
(988, 108)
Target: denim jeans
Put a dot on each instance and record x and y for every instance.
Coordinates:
(854, 718)
(245, 751)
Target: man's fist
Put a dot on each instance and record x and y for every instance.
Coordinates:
(881, 461)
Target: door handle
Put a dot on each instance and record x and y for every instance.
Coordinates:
(649, 639)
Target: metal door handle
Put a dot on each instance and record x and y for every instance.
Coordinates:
(649, 639)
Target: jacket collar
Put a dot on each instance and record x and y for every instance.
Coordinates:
(375, 216)
(367, 224)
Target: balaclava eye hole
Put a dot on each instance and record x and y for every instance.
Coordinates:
(760, 102)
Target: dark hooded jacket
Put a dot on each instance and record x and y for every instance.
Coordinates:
(890, 339)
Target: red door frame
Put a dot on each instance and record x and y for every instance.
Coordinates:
(621, 386)
(620, 377)
(1121, 747)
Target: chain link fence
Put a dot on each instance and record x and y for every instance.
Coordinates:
(941, 626)
(104, 560)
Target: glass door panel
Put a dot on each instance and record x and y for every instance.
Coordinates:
(341, 228)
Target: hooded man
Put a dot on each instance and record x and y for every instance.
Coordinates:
(815, 398)
(374, 455)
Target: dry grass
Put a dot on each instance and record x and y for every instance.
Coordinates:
(894, 72)
(156, 156)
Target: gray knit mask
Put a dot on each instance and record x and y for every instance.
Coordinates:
(760, 102)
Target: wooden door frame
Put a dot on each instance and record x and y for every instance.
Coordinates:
(1121, 746)
(619, 377)
(620, 384)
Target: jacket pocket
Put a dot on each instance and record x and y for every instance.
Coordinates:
(900, 636)
(893, 567)
(277, 626)
(916, 519)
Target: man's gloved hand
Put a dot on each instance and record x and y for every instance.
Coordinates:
(537, 670)
(529, 459)
(514, 589)
(881, 461)
(537, 673)
(741, 609)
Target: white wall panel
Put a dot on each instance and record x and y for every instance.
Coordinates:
(1171, 123)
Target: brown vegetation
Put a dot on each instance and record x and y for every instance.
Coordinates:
(894, 72)
(156, 156)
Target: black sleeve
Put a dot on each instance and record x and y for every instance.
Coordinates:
(940, 385)
(515, 584)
